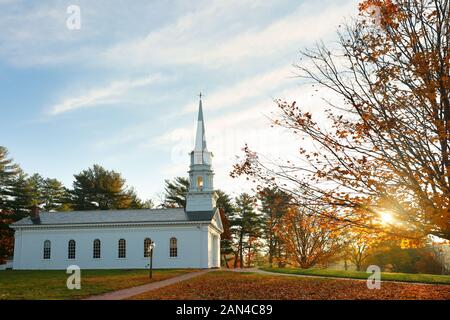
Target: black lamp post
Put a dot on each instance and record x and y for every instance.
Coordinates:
(151, 246)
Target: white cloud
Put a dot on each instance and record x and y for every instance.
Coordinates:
(98, 96)
(250, 42)
(187, 41)
(259, 85)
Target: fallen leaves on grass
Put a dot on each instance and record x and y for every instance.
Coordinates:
(236, 286)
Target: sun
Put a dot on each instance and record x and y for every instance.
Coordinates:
(386, 217)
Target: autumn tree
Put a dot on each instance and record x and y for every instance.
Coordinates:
(383, 146)
(359, 245)
(310, 239)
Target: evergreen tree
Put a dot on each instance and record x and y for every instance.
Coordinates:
(48, 194)
(175, 193)
(131, 200)
(274, 204)
(226, 209)
(35, 185)
(246, 226)
(54, 196)
(224, 201)
(148, 204)
(98, 188)
(9, 172)
(22, 197)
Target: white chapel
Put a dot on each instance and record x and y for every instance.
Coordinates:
(120, 239)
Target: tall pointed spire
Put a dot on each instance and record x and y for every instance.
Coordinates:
(201, 195)
(200, 138)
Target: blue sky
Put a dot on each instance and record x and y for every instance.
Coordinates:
(122, 90)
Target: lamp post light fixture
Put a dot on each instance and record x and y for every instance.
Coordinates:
(151, 246)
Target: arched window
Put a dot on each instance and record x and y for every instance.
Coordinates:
(122, 248)
(71, 251)
(173, 247)
(147, 243)
(47, 249)
(200, 182)
(96, 249)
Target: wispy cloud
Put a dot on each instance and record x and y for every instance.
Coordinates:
(262, 85)
(239, 51)
(186, 42)
(99, 96)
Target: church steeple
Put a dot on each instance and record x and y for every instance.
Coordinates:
(201, 195)
(200, 155)
(200, 138)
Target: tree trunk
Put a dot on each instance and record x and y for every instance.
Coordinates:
(241, 253)
(224, 257)
(236, 254)
(270, 249)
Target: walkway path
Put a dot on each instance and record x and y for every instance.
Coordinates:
(130, 292)
(256, 270)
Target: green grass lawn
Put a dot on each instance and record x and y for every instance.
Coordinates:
(18, 284)
(385, 276)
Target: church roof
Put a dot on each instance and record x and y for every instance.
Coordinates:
(169, 216)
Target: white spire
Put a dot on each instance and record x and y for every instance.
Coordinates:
(201, 195)
(200, 139)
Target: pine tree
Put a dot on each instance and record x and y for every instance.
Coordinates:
(226, 209)
(176, 192)
(54, 195)
(246, 225)
(132, 201)
(98, 188)
(8, 174)
(274, 204)
(35, 187)
(22, 197)
(148, 204)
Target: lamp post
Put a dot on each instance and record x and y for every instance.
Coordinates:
(151, 246)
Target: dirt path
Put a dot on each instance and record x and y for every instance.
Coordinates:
(128, 293)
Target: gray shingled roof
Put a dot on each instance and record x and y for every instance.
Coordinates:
(118, 216)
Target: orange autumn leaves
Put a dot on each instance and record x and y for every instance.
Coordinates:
(246, 286)
(386, 12)
(385, 143)
(309, 239)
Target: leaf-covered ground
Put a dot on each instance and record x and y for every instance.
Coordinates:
(234, 285)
